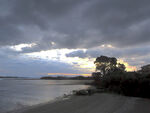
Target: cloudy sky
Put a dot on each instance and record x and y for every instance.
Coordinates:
(41, 37)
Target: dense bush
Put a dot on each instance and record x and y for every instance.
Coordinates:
(126, 83)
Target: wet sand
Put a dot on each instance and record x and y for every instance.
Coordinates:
(97, 103)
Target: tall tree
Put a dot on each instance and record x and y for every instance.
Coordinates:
(105, 64)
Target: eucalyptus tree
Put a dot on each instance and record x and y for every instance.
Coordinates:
(106, 65)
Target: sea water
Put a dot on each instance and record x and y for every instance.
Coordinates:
(15, 94)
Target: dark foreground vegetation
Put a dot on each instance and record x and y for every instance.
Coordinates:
(112, 77)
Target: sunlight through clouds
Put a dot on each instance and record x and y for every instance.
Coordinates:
(84, 64)
(128, 67)
(106, 46)
(19, 47)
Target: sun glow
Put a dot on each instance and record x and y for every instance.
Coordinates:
(82, 64)
(85, 65)
(128, 67)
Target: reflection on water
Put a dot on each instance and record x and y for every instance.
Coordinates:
(18, 93)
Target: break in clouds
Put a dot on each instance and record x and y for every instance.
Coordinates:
(74, 24)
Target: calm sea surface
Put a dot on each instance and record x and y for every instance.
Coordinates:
(15, 94)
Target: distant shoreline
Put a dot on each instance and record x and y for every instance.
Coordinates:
(66, 78)
(49, 78)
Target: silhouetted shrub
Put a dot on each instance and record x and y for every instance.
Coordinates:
(126, 83)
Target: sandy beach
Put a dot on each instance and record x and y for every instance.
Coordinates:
(97, 103)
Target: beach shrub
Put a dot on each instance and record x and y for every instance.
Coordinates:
(126, 83)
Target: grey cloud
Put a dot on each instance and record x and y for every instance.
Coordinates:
(117, 52)
(122, 23)
(27, 21)
(79, 53)
(135, 56)
(16, 64)
(75, 23)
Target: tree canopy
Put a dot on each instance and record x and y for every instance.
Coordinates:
(106, 65)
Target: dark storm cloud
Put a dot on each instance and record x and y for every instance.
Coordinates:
(135, 56)
(52, 24)
(116, 52)
(74, 23)
(30, 21)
